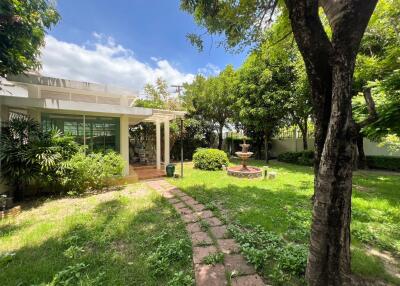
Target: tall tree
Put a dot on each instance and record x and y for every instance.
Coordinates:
(23, 25)
(329, 61)
(377, 71)
(211, 98)
(263, 87)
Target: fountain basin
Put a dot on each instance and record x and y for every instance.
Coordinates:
(248, 172)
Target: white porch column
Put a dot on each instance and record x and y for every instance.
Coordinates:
(124, 141)
(166, 143)
(158, 145)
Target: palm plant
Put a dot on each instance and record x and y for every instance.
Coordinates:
(26, 152)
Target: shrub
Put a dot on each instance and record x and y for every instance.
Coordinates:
(305, 158)
(209, 159)
(92, 171)
(384, 162)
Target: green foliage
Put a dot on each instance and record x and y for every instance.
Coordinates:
(181, 279)
(210, 159)
(91, 171)
(283, 207)
(262, 247)
(51, 162)
(164, 254)
(28, 154)
(384, 162)
(23, 25)
(214, 258)
(305, 158)
(378, 69)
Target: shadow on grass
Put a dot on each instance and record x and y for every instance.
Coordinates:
(114, 244)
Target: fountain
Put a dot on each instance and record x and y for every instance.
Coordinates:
(244, 171)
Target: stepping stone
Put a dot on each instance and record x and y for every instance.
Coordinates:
(237, 263)
(205, 214)
(191, 202)
(200, 252)
(185, 211)
(167, 195)
(173, 200)
(199, 238)
(219, 231)
(198, 207)
(179, 206)
(228, 246)
(210, 275)
(193, 227)
(247, 280)
(190, 218)
(177, 192)
(213, 221)
(186, 198)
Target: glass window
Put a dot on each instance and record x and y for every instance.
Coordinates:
(99, 133)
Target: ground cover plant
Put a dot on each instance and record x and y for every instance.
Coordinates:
(271, 219)
(122, 237)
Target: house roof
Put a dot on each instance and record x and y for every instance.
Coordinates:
(48, 93)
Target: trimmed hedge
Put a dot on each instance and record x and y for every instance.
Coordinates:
(384, 163)
(305, 158)
(210, 159)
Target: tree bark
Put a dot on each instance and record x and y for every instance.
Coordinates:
(266, 147)
(220, 139)
(330, 65)
(304, 131)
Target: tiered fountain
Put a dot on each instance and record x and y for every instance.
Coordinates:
(244, 171)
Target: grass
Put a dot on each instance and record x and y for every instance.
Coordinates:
(282, 207)
(128, 237)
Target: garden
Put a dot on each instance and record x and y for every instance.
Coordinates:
(325, 213)
(270, 218)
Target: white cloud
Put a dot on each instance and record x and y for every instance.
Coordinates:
(105, 61)
(209, 70)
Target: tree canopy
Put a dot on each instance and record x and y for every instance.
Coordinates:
(23, 25)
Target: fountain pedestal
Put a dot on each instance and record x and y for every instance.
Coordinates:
(244, 171)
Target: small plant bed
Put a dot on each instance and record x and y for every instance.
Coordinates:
(127, 237)
(270, 219)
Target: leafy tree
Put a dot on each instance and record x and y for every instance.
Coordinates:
(261, 95)
(211, 99)
(377, 77)
(23, 25)
(330, 61)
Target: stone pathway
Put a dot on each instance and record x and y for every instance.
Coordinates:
(210, 237)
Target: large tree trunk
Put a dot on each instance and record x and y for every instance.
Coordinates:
(329, 256)
(266, 147)
(220, 139)
(330, 64)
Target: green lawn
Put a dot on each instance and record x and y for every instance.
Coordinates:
(271, 218)
(126, 237)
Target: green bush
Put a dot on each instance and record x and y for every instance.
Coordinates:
(384, 162)
(209, 159)
(92, 171)
(305, 158)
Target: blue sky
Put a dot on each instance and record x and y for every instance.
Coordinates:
(148, 35)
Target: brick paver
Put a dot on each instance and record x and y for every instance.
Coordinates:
(210, 275)
(219, 231)
(205, 243)
(201, 238)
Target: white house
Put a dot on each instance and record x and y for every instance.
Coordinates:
(98, 116)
